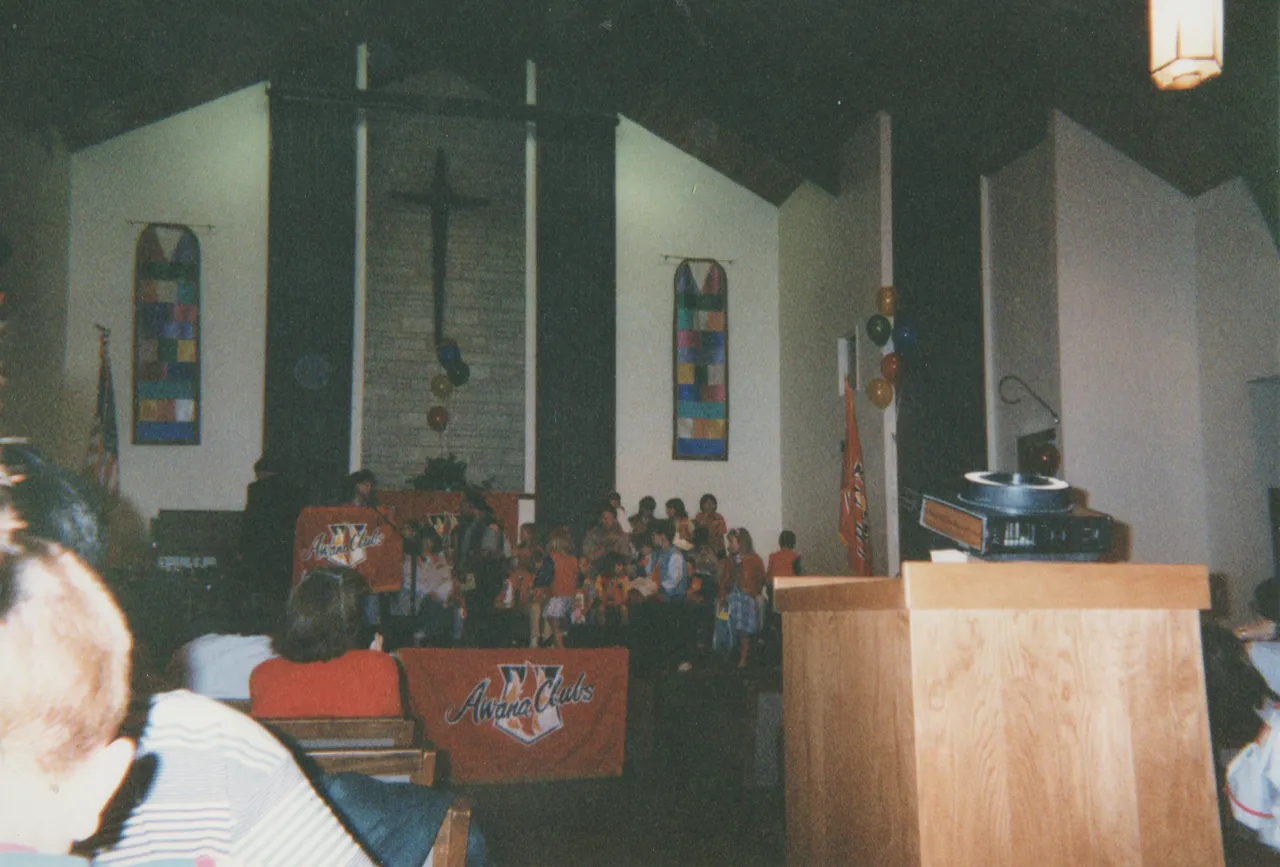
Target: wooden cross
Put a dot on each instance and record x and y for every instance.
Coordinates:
(440, 199)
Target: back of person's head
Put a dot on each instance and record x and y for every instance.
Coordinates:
(648, 504)
(324, 617)
(57, 504)
(560, 541)
(1235, 689)
(745, 545)
(701, 536)
(476, 500)
(786, 539)
(64, 690)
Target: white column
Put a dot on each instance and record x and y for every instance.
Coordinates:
(891, 528)
(355, 457)
(530, 296)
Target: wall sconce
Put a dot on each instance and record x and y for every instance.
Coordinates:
(1186, 42)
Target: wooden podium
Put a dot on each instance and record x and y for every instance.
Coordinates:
(998, 714)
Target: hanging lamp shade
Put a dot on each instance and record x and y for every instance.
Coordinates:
(1186, 42)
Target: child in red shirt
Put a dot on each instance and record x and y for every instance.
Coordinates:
(559, 572)
(786, 561)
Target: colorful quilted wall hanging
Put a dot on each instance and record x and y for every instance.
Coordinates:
(701, 400)
(166, 337)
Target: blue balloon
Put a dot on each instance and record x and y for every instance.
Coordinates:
(460, 373)
(905, 336)
(449, 354)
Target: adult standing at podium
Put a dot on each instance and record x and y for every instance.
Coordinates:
(272, 504)
(479, 561)
(363, 485)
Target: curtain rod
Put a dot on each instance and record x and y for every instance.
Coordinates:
(213, 230)
(678, 257)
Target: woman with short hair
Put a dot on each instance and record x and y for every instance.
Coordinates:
(326, 666)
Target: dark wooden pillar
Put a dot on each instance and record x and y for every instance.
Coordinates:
(310, 279)
(577, 313)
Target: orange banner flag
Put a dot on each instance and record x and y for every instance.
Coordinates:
(855, 531)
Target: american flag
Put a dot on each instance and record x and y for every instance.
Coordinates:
(855, 529)
(102, 459)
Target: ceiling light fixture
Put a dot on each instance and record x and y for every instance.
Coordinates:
(1186, 42)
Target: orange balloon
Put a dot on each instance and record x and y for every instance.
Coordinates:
(886, 300)
(880, 392)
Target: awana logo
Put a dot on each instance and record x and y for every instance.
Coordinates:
(528, 708)
(344, 544)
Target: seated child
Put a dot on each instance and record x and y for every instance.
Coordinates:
(437, 607)
(667, 563)
(643, 586)
(706, 566)
(514, 604)
(610, 591)
(64, 690)
(785, 561)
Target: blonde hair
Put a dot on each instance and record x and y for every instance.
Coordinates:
(560, 542)
(64, 659)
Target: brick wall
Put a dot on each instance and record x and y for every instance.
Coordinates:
(484, 294)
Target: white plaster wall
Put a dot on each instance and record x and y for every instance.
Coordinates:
(668, 202)
(1130, 363)
(1238, 284)
(829, 273)
(204, 166)
(1022, 321)
(34, 190)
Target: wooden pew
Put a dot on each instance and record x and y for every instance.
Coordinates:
(374, 746)
(450, 848)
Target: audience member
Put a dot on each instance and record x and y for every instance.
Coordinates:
(604, 537)
(705, 565)
(323, 668)
(713, 522)
(612, 587)
(64, 690)
(640, 520)
(234, 639)
(615, 500)
(666, 563)
(681, 526)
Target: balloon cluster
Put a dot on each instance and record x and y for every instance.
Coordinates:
(882, 328)
(456, 373)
